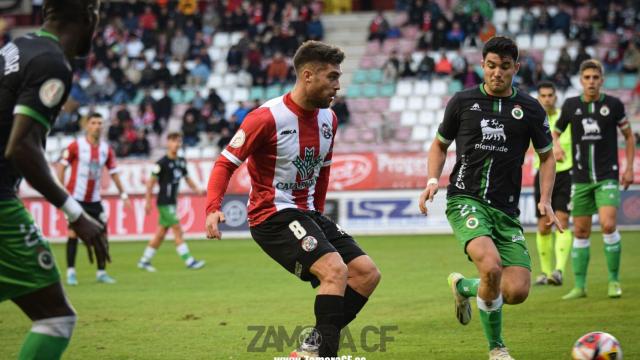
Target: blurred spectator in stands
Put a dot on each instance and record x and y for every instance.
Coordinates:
(315, 29)
(580, 57)
(612, 60)
(561, 79)
(162, 76)
(225, 138)
(458, 63)
(134, 47)
(68, 120)
(416, 12)
(241, 113)
(210, 20)
(107, 90)
(187, 7)
(99, 74)
(216, 102)
(469, 78)
(190, 130)
(584, 33)
(426, 67)
(544, 21)
(130, 21)
(439, 35)
(487, 32)
(424, 41)
(391, 67)
(180, 45)
(277, 70)
(163, 108)
(36, 12)
(340, 108)
(472, 27)
(214, 125)
(180, 78)
(539, 74)
(565, 60)
(146, 118)
(612, 17)
(148, 20)
(561, 21)
(129, 132)
(132, 72)
(455, 36)
(406, 67)
(528, 21)
(147, 75)
(140, 147)
(197, 45)
(190, 30)
(115, 131)
(239, 19)
(631, 58)
(244, 77)
(378, 28)
(234, 59)
(121, 147)
(443, 67)
(199, 74)
(198, 101)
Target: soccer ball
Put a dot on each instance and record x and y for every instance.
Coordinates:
(597, 346)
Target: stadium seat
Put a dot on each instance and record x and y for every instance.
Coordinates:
(513, 27)
(359, 77)
(409, 118)
(433, 102)
(373, 47)
(375, 75)
(549, 67)
(426, 117)
(138, 98)
(230, 79)
(235, 37)
(173, 67)
(551, 55)
(220, 67)
(192, 153)
(515, 14)
(215, 81)
(209, 152)
(273, 91)
(370, 90)
(256, 93)
(287, 88)
(629, 81)
(420, 133)
(188, 95)
(241, 94)
(403, 134)
(557, 40)
(421, 87)
(523, 41)
(500, 16)
(387, 90)
(540, 41)
(53, 144)
(354, 91)
(454, 87)
(221, 40)
(216, 54)
(397, 103)
(612, 82)
(175, 95)
(404, 88)
(415, 103)
(438, 87)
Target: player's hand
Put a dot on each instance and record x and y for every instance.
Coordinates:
(559, 154)
(546, 210)
(627, 179)
(427, 194)
(92, 234)
(147, 207)
(213, 219)
(127, 203)
(201, 192)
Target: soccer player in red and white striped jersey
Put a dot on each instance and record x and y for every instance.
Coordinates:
(87, 156)
(288, 143)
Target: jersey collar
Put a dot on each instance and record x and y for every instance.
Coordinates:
(296, 109)
(514, 92)
(44, 33)
(582, 99)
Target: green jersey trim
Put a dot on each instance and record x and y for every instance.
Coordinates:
(486, 172)
(592, 164)
(545, 149)
(443, 139)
(25, 110)
(45, 33)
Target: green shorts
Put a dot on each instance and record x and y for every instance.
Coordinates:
(471, 218)
(168, 216)
(26, 260)
(587, 198)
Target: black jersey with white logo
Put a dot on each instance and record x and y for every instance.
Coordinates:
(35, 78)
(492, 135)
(169, 172)
(594, 137)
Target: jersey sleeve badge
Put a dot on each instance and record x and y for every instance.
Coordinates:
(238, 139)
(51, 92)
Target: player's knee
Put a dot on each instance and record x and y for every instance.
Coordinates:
(59, 326)
(372, 277)
(491, 273)
(581, 233)
(608, 226)
(333, 271)
(515, 296)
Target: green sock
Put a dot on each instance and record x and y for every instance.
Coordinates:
(42, 347)
(468, 287)
(545, 248)
(491, 319)
(563, 249)
(612, 251)
(580, 261)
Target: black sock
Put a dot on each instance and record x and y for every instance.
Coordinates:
(72, 249)
(329, 310)
(101, 260)
(353, 303)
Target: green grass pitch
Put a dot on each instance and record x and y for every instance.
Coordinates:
(182, 314)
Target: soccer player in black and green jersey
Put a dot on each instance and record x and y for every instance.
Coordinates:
(492, 125)
(34, 84)
(594, 117)
(167, 173)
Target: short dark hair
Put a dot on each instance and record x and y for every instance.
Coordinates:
(66, 10)
(546, 84)
(315, 51)
(591, 64)
(174, 135)
(503, 46)
(95, 115)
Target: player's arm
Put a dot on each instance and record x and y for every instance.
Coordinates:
(560, 127)
(547, 180)
(630, 152)
(437, 155)
(257, 127)
(322, 183)
(60, 169)
(151, 182)
(193, 186)
(114, 172)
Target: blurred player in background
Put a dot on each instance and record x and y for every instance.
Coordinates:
(288, 142)
(167, 173)
(36, 80)
(594, 117)
(492, 125)
(87, 156)
(559, 200)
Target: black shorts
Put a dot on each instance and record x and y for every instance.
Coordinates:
(95, 210)
(561, 192)
(297, 238)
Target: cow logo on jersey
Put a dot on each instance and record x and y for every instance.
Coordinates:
(307, 166)
(326, 131)
(578, 111)
(51, 92)
(591, 129)
(492, 131)
(309, 243)
(517, 112)
(475, 107)
(238, 139)
(604, 110)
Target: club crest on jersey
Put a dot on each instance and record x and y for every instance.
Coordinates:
(517, 112)
(51, 92)
(309, 243)
(326, 131)
(307, 166)
(604, 110)
(238, 139)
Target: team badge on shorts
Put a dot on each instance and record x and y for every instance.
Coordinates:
(517, 112)
(309, 243)
(326, 131)
(45, 260)
(472, 222)
(604, 110)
